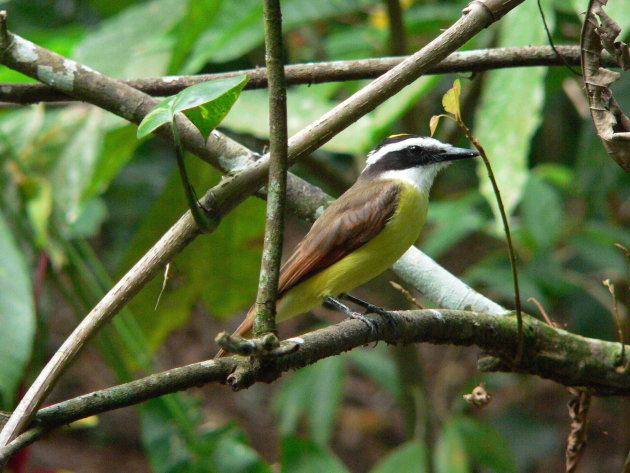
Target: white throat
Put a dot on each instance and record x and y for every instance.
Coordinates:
(420, 177)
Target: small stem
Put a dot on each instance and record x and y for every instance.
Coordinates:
(205, 223)
(508, 236)
(277, 185)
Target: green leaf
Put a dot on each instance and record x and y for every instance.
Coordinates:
(207, 104)
(408, 457)
(124, 47)
(118, 147)
(542, 212)
(376, 364)
(304, 456)
(510, 111)
(450, 451)
(160, 115)
(75, 167)
(316, 392)
(17, 315)
(199, 14)
(485, 445)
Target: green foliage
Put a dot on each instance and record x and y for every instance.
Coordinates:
(410, 456)
(510, 110)
(465, 442)
(121, 46)
(305, 456)
(315, 392)
(205, 105)
(17, 315)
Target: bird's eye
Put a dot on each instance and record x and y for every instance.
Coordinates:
(414, 148)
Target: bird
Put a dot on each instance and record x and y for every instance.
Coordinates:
(366, 230)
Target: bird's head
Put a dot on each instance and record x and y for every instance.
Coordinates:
(412, 158)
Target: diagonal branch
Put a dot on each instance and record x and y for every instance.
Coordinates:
(25, 57)
(551, 353)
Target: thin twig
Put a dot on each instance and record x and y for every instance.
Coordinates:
(508, 236)
(542, 311)
(407, 294)
(265, 321)
(550, 39)
(617, 317)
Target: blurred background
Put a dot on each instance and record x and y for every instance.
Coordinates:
(82, 199)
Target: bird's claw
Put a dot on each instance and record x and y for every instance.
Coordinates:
(367, 321)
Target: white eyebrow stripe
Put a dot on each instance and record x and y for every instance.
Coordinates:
(420, 141)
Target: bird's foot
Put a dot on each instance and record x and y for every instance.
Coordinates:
(366, 320)
(337, 304)
(374, 309)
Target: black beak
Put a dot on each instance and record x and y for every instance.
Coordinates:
(457, 153)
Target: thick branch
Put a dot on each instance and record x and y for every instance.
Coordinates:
(265, 321)
(319, 72)
(550, 352)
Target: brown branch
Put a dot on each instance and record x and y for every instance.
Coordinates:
(320, 72)
(551, 353)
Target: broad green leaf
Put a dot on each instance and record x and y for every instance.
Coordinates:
(17, 315)
(485, 445)
(124, 46)
(206, 104)
(450, 454)
(304, 456)
(410, 457)
(314, 391)
(161, 114)
(510, 111)
(541, 212)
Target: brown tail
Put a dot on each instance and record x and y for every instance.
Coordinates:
(242, 329)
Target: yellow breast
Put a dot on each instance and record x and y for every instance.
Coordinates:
(365, 263)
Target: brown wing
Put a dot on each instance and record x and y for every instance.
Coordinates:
(348, 223)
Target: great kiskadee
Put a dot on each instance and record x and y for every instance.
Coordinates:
(365, 230)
